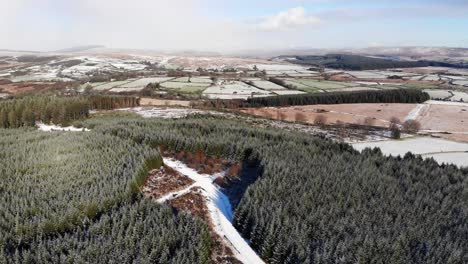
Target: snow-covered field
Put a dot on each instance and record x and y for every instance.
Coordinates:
(366, 74)
(426, 146)
(166, 112)
(126, 89)
(438, 94)
(294, 83)
(233, 90)
(434, 102)
(462, 83)
(143, 82)
(50, 128)
(201, 80)
(110, 85)
(220, 211)
(181, 85)
(287, 92)
(459, 96)
(266, 85)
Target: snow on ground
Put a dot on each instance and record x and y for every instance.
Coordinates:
(426, 146)
(414, 114)
(166, 112)
(50, 128)
(434, 102)
(267, 85)
(233, 90)
(457, 158)
(220, 211)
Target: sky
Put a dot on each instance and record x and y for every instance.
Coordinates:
(220, 26)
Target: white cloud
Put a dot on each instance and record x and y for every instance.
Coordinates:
(289, 19)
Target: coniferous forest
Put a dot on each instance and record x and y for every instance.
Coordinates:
(74, 197)
(319, 201)
(27, 111)
(383, 96)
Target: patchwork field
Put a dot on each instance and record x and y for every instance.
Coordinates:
(234, 90)
(267, 85)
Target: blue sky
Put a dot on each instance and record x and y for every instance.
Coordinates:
(216, 25)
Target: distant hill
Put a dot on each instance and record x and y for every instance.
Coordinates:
(359, 62)
(79, 49)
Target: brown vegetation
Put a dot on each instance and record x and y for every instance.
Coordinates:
(159, 102)
(163, 181)
(346, 113)
(199, 161)
(411, 126)
(31, 87)
(320, 120)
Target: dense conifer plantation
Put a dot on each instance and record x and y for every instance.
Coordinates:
(74, 198)
(27, 111)
(322, 202)
(355, 97)
(316, 201)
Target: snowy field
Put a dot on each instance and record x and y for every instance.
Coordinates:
(181, 85)
(143, 82)
(462, 83)
(426, 146)
(288, 92)
(51, 128)
(201, 80)
(233, 90)
(126, 89)
(266, 85)
(166, 112)
(110, 85)
(366, 75)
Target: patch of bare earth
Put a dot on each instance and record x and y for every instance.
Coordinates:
(163, 181)
(166, 180)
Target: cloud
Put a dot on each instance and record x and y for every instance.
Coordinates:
(289, 19)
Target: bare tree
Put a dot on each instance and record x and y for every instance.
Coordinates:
(395, 128)
(300, 117)
(320, 120)
(411, 126)
(282, 116)
(395, 120)
(369, 121)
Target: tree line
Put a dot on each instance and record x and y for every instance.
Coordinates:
(355, 97)
(24, 112)
(359, 63)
